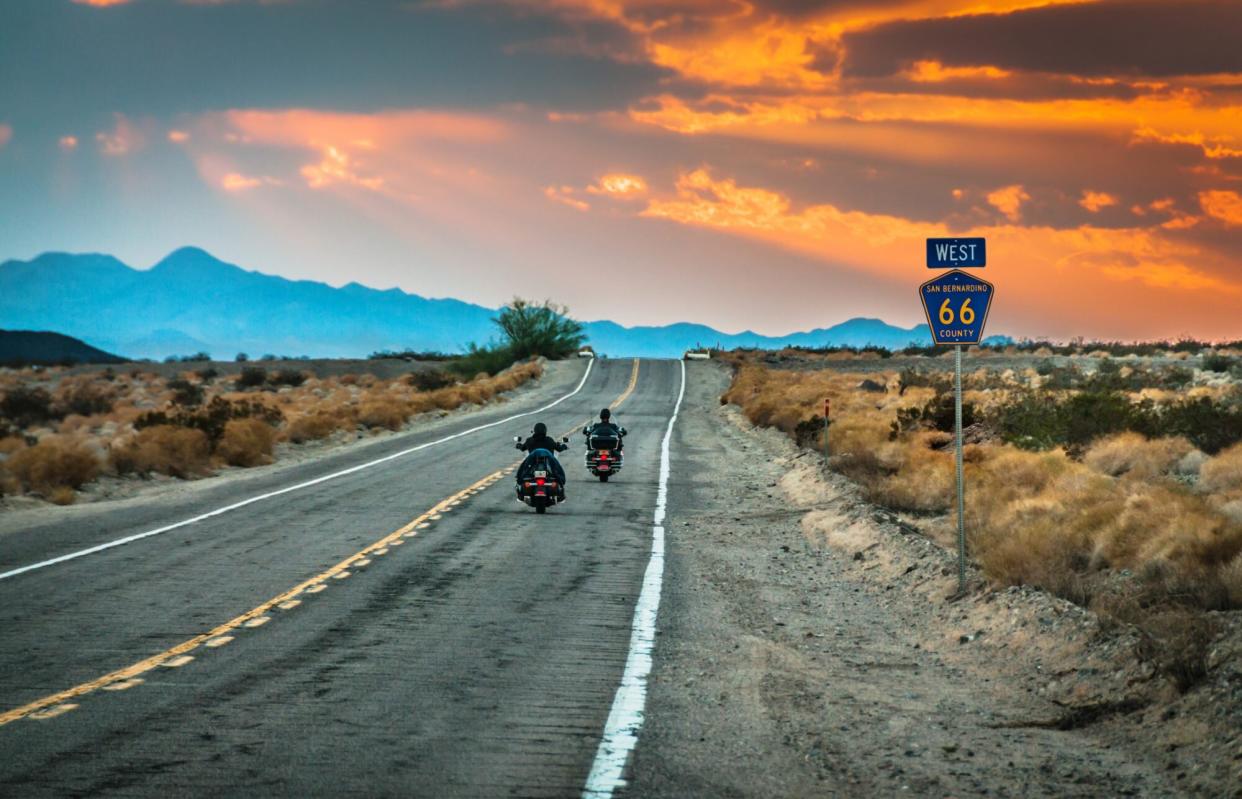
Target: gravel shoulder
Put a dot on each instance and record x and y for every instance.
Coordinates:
(810, 646)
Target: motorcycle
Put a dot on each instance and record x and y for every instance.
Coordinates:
(604, 457)
(537, 483)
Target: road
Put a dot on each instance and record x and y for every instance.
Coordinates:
(404, 629)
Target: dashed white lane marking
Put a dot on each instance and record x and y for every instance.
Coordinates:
(289, 489)
(53, 712)
(626, 717)
(177, 662)
(362, 562)
(218, 641)
(315, 589)
(257, 621)
(340, 575)
(290, 605)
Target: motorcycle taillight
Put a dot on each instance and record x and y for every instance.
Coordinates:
(539, 481)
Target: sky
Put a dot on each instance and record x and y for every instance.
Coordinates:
(772, 165)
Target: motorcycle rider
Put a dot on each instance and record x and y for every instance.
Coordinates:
(540, 440)
(605, 428)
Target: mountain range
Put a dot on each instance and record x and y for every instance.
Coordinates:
(191, 302)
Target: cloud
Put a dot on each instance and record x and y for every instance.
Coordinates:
(6, 133)
(68, 143)
(338, 167)
(1223, 205)
(235, 181)
(123, 139)
(1008, 201)
(101, 3)
(1093, 201)
(564, 195)
(622, 186)
(178, 136)
(1111, 38)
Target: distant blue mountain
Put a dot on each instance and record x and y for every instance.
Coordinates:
(191, 302)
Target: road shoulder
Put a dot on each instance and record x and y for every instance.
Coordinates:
(790, 662)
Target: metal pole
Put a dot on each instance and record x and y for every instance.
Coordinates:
(961, 485)
(827, 407)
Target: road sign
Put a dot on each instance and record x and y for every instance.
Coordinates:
(956, 253)
(957, 307)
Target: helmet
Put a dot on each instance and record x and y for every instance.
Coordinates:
(541, 429)
(605, 414)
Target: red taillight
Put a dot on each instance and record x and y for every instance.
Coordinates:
(539, 481)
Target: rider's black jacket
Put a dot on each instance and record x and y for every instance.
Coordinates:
(542, 442)
(605, 430)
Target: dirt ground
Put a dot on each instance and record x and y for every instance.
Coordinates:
(809, 645)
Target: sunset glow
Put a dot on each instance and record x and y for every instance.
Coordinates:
(569, 136)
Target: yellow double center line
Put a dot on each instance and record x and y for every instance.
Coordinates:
(47, 706)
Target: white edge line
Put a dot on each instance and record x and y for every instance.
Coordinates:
(289, 489)
(625, 718)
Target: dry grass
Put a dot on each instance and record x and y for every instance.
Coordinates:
(1137, 456)
(53, 466)
(98, 414)
(164, 449)
(246, 442)
(1041, 519)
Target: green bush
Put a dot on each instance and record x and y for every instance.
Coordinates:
(938, 414)
(489, 360)
(430, 379)
(185, 393)
(287, 377)
(531, 330)
(1218, 363)
(251, 377)
(28, 406)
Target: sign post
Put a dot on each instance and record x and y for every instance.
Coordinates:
(827, 408)
(957, 305)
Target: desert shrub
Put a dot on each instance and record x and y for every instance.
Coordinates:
(84, 398)
(207, 374)
(27, 406)
(53, 464)
(1218, 363)
(1032, 420)
(317, 425)
(1223, 473)
(241, 357)
(1136, 455)
(430, 379)
(532, 330)
(251, 377)
(409, 355)
(1210, 426)
(287, 377)
(383, 413)
(246, 442)
(488, 360)
(167, 449)
(940, 413)
(185, 393)
(212, 418)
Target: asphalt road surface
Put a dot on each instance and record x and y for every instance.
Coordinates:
(473, 648)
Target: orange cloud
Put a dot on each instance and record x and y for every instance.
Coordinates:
(235, 181)
(1093, 201)
(6, 133)
(1223, 205)
(178, 136)
(123, 139)
(564, 195)
(619, 185)
(101, 3)
(1008, 201)
(935, 72)
(338, 167)
(1027, 258)
(68, 143)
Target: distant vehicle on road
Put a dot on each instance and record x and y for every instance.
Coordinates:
(586, 352)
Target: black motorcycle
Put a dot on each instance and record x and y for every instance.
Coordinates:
(604, 457)
(539, 484)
